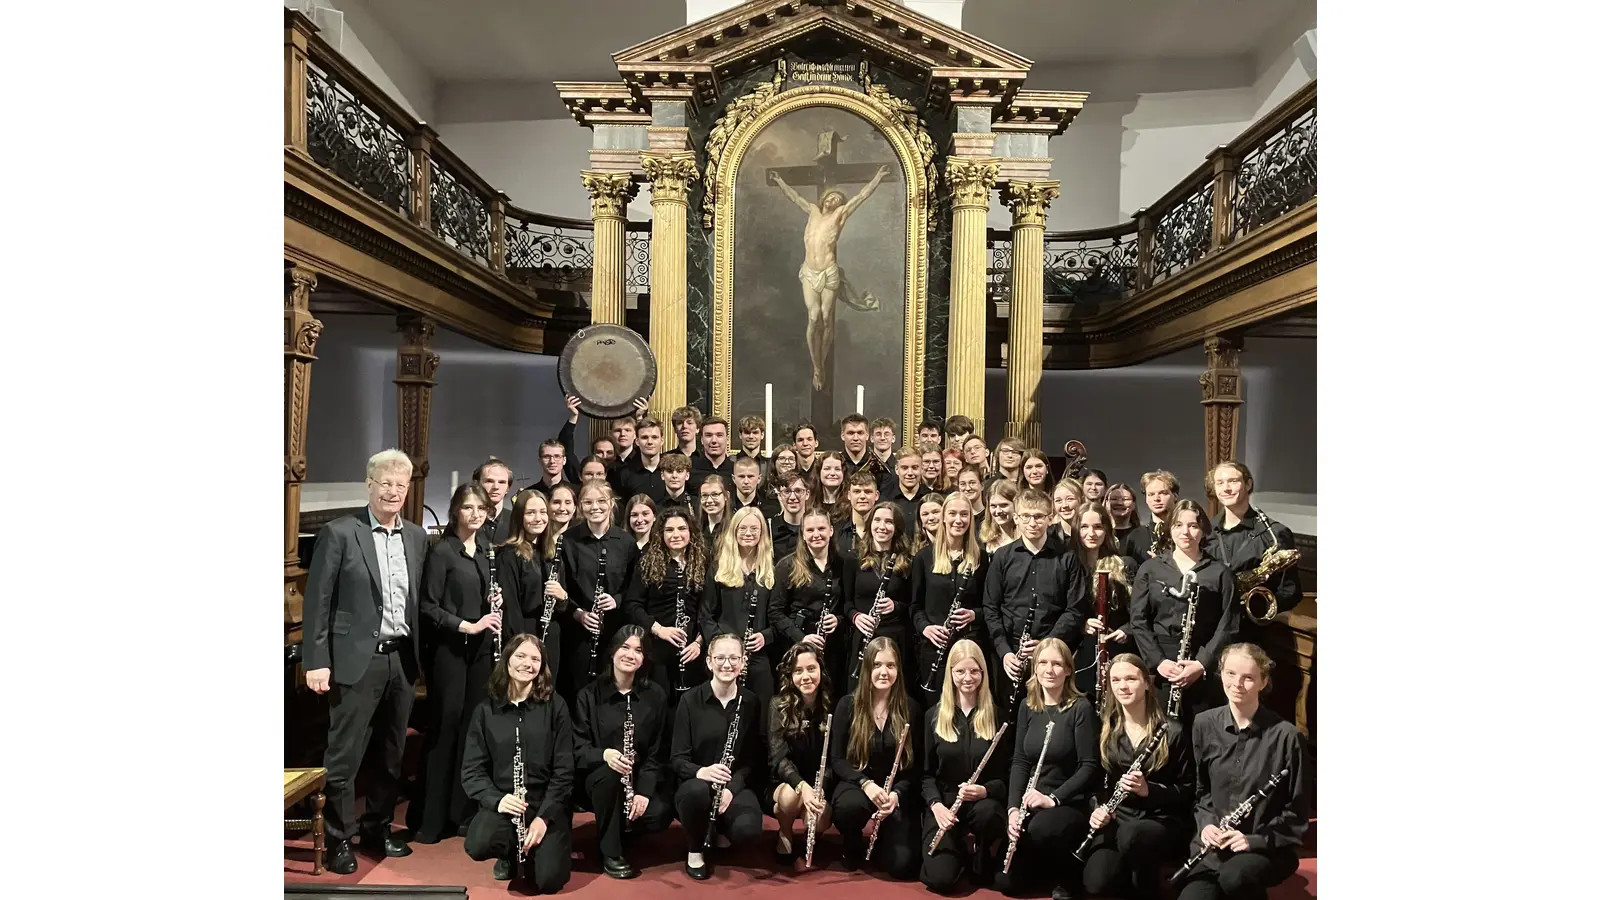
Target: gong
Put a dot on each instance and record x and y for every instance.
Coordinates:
(607, 367)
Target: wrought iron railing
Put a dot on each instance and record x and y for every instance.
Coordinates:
(1277, 175)
(356, 141)
(637, 259)
(548, 249)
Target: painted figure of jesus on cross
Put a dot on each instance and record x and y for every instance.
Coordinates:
(821, 280)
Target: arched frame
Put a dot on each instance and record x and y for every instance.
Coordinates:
(914, 165)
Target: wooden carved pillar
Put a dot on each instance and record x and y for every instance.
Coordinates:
(1222, 395)
(1028, 201)
(609, 193)
(300, 333)
(970, 182)
(669, 174)
(414, 371)
(296, 38)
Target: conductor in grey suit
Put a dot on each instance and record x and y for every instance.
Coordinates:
(360, 649)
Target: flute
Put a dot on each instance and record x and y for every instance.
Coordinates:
(956, 807)
(822, 771)
(877, 599)
(1033, 781)
(938, 661)
(1121, 793)
(894, 769)
(1230, 821)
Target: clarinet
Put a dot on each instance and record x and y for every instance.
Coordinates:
(628, 754)
(1033, 781)
(949, 617)
(497, 602)
(822, 770)
(894, 769)
(519, 789)
(822, 611)
(1231, 820)
(749, 624)
(599, 588)
(1190, 590)
(549, 602)
(883, 583)
(680, 620)
(727, 760)
(1121, 793)
(1022, 677)
(1102, 655)
(956, 807)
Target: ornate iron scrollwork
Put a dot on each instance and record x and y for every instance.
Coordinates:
(1183, 234)
(1276, 177)
(460, 217)
(353, 141)
(1000, 266)
(637, 261)
(547, 252)
(1105, 267)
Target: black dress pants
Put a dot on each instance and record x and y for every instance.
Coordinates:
(1129, 854)
(1240, 876)
(605, 798)
(985, 820)
(1044, 854)
(492, 835)
(740, 822)
(759, 679)
(375, 708)
(458, 681)
(897, 838)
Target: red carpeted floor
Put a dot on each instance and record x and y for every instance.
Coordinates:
(660, 859)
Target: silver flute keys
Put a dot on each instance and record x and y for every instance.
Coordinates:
(1033, 782)
(816, 790)
(519, 789)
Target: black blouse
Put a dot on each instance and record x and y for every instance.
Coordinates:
(1232, 763)
(861, 588)
(796, 611)
(656, 603)
(1171, 784)
(522, 583)
(491, 745)
(932, 594)
(881, 745)
(455, 589)
(1072, 764)
(950, 763)
(728, 610)
(1157, 616)
(700, 731)
(598, 726)
(580, 563)
(793, 759)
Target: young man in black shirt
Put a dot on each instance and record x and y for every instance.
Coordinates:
(1154, 538)
(785, 527)
(863, 495)
(675, 483)
(853, 434)
(908, 492)
(643, 475)
(713, 458)
(686, 424)
(752, 432)
(494, 476)
(747, 486)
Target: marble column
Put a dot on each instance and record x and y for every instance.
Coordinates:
(300, 333)
(970, 182)
(670, 175)
(1028, 201)
(1222, 396)
(415, 367)
(609, 193)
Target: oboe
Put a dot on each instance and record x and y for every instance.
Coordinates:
(519, 789)
(1190, 590)
(887, 564)
(888, 785)
(1102, 654)
(599, 614)
(497, 602)
(816, 790)
(627, 754)
(1033, 782)
(976, 773)
(1027, 626)
(1230, 821)
(928, 683)
(1121, 793)
(680, 621)
(549, 601)
(727, 760)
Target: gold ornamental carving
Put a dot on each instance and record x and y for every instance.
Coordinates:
(609, 193)
(971, 180)
(669, 174)
(1030, 200)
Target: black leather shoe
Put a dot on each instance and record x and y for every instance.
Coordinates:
(617, 867)
(341, 859)
(702, 873)
(1060, 892)
(503, 870)
(785, 857)
(385, 845)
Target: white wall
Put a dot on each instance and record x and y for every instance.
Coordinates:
(535, 162)
(371, 49)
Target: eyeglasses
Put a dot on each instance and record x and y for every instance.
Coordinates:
(726, 660)
(712, 495)
(1030, 517)
(793, 491)
(392, 486)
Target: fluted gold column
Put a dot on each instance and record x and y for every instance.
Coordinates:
(1025, 352)
(669, 174)
(609, 193)
(970, 182)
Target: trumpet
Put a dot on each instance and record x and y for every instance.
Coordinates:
(1253, 583)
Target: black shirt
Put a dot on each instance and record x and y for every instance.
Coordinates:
(1072, 764)
(1241, 547)
(700, 732)
(1171, 784)
(455, 589)
(735, 610)
(491, 744)
(861, 588)
(932, 594)
(793, 759)
(950, 763)
(1137, 543)
(657, 603)
(598, 726)
(522, 585)
(700, 466)
(1015, 574)
(796, 611)
(910, 507)
(1156, 622)
(580, 560)
(785, 537)
(1232, 763)
(881, 745)
(636, 479)
(845, 535)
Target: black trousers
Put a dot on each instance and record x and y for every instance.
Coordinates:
(740, 822)
(375, 708)
(985, 820)
(1241, 876)
(1044, 854)
(1130, 852)
(605, 798)
(492, 835)
(759, 679)
(458, 681)
(897, 839)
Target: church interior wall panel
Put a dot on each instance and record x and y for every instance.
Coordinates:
(372, 49)
(536, 162)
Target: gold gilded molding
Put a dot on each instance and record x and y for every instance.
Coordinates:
(669, 174)
(609, 192)
(723, 168)
(971, 180)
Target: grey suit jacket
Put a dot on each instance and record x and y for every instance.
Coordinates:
(344, 600)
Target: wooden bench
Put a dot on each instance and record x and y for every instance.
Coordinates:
(298, 784)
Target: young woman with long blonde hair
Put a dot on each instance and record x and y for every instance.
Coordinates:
(958, 733)
(737, 598)
(950, 568)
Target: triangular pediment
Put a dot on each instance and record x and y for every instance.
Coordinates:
(701, 55)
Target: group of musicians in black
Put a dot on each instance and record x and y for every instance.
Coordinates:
(1079, 706)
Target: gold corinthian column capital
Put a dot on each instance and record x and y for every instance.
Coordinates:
(1029, 202)
(970, 180)
(670, 174)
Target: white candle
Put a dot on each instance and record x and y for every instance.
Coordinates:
(861, 396)
(768, 429)
(455, 476)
